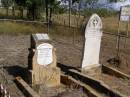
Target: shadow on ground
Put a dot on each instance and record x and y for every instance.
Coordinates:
(66, 68)
(17, 71)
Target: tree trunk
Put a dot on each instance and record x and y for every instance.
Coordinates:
(37, 13)
(7, 11)
(13, 11)
(70, 5)
(21, 12)
(50, 14)
(46, 4)
(30, 13)
(33, 13)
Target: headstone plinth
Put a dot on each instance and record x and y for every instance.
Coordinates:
(93, 34)
(94, 70)
(43, 68)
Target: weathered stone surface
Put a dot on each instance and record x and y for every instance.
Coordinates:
(48, 75)
(42, 36)
(44, 70)
(93, 36)
(93, 71)
(37, 39)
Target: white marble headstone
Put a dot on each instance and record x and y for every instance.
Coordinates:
(93, 34)
(44, 54)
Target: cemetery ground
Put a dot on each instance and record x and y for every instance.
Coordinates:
(14, 57)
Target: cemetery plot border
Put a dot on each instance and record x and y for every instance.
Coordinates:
(96, 85)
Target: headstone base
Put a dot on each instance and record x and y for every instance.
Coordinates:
(50, 77)
(94, 70)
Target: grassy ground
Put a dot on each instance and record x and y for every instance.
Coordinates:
(16, 28)
(110, 24)
(7, 27)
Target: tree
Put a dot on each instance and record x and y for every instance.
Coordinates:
(33, 7)
(21, 5)
(50, 5)
(118, 0)
(46, 7)
(91, 2)
(13, 7)
(73, 1)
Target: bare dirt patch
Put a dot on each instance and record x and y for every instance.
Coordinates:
(14, 57)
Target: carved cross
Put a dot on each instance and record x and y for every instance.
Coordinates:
(95, 22)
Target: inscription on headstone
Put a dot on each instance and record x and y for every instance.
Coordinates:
(44, 54)
(93, 36)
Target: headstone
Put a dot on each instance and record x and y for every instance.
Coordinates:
(43, 66)
(36, 39)
(93, 36)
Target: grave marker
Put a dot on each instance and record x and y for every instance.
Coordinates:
(43, 66)
(93, 36)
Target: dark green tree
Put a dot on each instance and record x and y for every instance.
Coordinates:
(13, 8)
(50, 6)
(73, 1)
(33, 7)
(21, 5)
(91, 2)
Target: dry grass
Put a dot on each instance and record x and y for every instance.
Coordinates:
(7, 27)
(63, 19)
(15, 28)
(110, 24)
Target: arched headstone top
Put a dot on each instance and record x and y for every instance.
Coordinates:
(94, 25)
(44, 54)
(44, 45)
